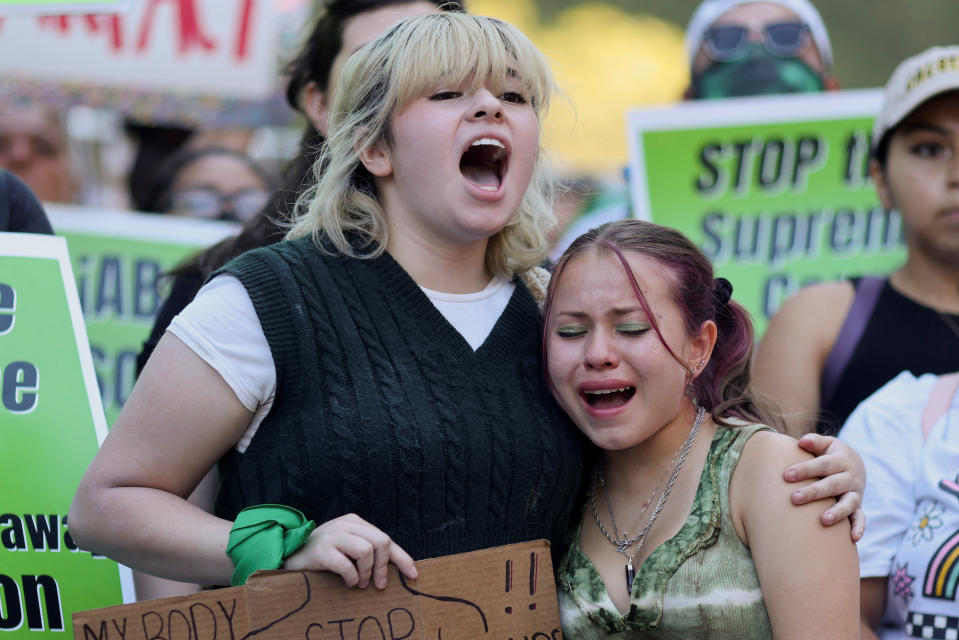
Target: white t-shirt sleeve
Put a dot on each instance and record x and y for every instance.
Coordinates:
(886, 431)
(222, 328)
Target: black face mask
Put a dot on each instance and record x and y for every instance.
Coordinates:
(759, 73)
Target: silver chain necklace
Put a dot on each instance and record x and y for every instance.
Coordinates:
(622, 544)
(625, 541)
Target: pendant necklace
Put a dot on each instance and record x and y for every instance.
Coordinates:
(625, 541)
(622, 545)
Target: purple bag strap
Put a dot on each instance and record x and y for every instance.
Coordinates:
(867, 294)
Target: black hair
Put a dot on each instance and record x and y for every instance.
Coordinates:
(154, 144)
(880, 153)
(312, 63)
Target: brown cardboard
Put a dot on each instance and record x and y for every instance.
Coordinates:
(505, 593)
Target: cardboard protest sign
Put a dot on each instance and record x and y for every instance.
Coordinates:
(506, 593)
(119, 259)
(51, 423)
(775, 190)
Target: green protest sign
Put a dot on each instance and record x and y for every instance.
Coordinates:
(119, 259)
(51, 423)
(775, 190)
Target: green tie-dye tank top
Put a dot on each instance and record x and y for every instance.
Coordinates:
(701, 583)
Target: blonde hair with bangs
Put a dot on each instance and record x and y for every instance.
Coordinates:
(414, 57)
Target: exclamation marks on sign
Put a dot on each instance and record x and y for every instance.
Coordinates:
(533, 572)
(533, 577)
(509, 581)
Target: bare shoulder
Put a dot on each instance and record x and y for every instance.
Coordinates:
(766, 456)
(786, 541)
(802, 333)
(820, 304)
(757, 484)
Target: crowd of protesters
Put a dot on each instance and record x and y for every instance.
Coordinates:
(388, 306)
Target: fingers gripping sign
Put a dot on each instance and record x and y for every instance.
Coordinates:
(354, 549)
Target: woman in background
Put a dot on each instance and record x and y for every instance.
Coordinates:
(834, 343)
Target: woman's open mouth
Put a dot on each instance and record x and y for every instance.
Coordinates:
(608, 398)
(484, 164)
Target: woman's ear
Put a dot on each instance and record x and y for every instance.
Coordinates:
(316, 105)
(701, 347)
(878, 176)
(377, 160)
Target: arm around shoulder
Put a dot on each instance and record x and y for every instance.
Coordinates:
(809, 574)
(790, 357)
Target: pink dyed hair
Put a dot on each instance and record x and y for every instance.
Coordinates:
(723, 387)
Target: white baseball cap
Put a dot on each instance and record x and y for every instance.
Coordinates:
(914, 81)
(707, 13)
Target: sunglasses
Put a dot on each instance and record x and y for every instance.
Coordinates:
(728, 43)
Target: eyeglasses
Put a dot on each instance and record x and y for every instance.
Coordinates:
(204, 202)
(728, 43)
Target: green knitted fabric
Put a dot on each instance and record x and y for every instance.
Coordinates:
(383, 409)
(263, 537)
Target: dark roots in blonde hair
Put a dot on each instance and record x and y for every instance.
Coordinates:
(413, 57)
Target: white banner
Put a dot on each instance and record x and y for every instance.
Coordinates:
(47, 7)
(225, 48)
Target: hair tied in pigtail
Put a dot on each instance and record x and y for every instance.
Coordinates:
(723, 290)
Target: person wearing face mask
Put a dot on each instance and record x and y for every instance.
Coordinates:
(749, 48)
(736, 48)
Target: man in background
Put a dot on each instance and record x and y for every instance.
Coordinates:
(33, 145)
(749, 48)
(735, 48)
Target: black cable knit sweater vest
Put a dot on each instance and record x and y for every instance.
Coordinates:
(382, 409)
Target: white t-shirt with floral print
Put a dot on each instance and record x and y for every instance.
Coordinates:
(911, 505)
